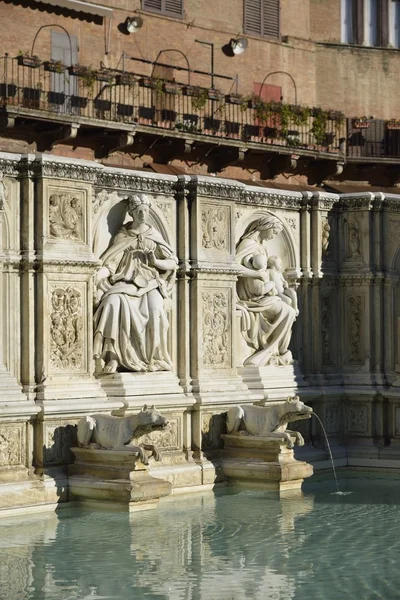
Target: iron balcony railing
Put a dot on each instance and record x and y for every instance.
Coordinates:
(28, 83)
(373, 138)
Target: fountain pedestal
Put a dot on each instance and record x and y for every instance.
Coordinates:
(114, 478)
(264, 463)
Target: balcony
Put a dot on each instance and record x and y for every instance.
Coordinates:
(109, 110)
(371, 139)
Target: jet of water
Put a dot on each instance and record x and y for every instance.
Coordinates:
(330, 453)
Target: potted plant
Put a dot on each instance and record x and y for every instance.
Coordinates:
(126, 78)
(192, 90)
(56, 98)
(152, 83)
(234, 98)
(79, 101)
(106, 75)
(171, 87)
(214, 94)
(31, 97)
(27, 60)
(86, 74)
(54, 66)
(361, 122)
(393, 124)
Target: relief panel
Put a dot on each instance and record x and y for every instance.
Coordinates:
(12, 445)
(212, 425)
(166, 440)
(65, 212)
(357, 418)
(59, 438)
(354, 329)
(215, 228)
(216, 328)
(67, 327)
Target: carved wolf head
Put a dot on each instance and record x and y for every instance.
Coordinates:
(149, 416)
(295, 410)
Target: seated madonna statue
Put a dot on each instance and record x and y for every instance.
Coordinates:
(266, 320)
(133, 287)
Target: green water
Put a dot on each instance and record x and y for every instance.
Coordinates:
(224, 546)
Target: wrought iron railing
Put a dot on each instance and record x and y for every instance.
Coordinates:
(373, 138)
(129, 98)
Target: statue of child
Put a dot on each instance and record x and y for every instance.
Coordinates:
(287, 294)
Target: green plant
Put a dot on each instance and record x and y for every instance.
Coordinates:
(318, 128)
(199, 99)
(280, 114)
(187, 126)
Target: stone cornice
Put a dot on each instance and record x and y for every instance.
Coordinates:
(9, 166)
(320, 200)
(133, 182)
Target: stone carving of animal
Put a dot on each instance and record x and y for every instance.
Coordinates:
(117, 433)
(268, 421)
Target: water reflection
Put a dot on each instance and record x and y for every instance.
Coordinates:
(198, 547)
(204, 547)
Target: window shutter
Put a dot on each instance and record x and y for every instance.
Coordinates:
(384, 23)
(358, 19)
(271, 18)
(172, 8)
(153, 5)
(252, 17)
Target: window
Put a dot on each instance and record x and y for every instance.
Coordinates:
(365, 22)
(394, 19)
(170, 8)
(261, 17)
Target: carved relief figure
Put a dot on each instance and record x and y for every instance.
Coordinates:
(65, 214)
(268, 421)
(3, 191)
(354, 239)
(134, 285)
(286, 293)
(326, 230)
(267, 320)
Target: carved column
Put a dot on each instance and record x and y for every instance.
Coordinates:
(16, 409)
(212, 304)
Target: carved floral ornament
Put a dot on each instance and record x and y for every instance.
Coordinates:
(214, 221)
(65, 216)
(216, 328)
(66, 329)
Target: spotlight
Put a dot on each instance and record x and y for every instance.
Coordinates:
(133, 24)
(239, 46)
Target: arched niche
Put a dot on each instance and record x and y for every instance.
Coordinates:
(282, 245)
(113, 214)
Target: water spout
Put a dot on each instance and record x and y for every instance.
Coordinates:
(330, 453)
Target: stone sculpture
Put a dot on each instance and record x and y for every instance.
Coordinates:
(266, 319)
(133, 287)
(285, 293)
(116, 433)
(268, 421)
